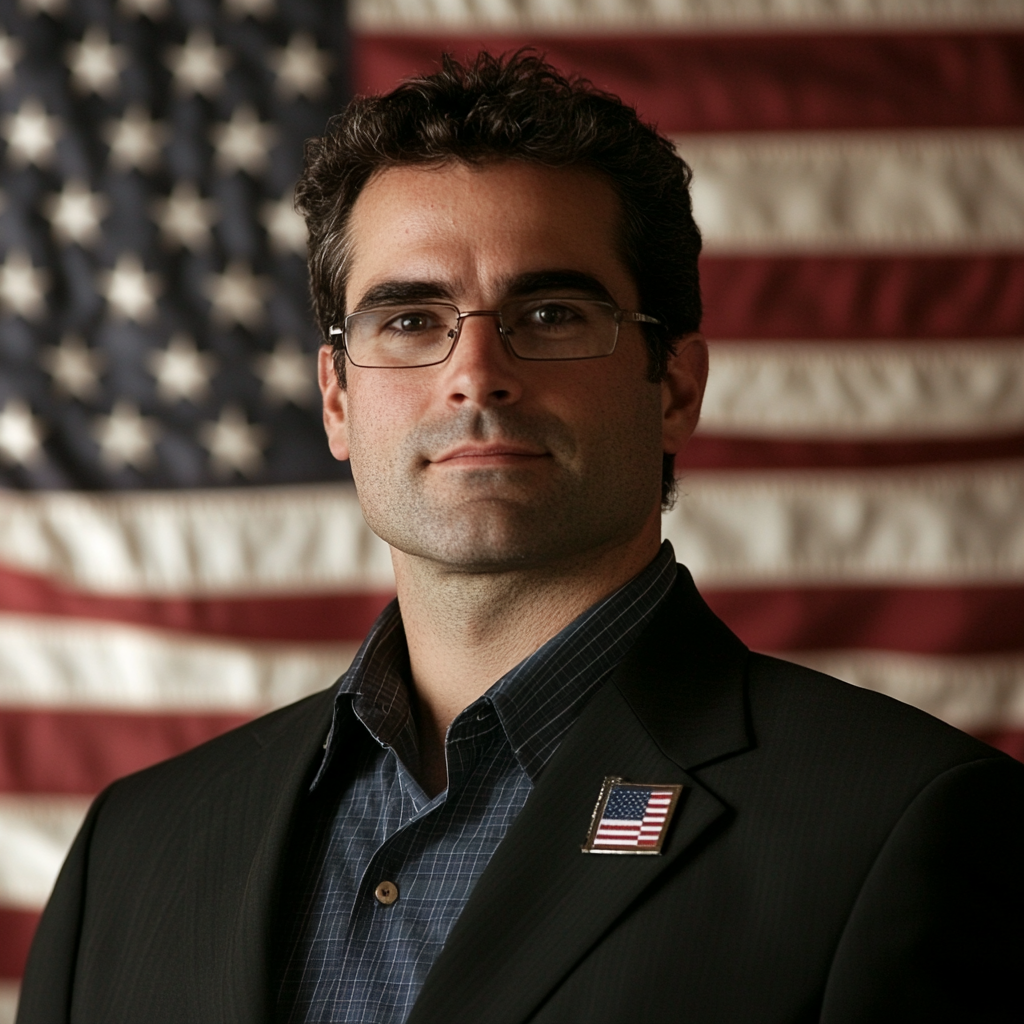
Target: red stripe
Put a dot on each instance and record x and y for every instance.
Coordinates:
(923, 620)
(705, 451)
(16, 930)
(323, 617)
(1009, 741)
(798, 81)
(44, 751)
(821, 297)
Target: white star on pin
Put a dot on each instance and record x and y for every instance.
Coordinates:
(95, 63)
(75, 213)
(152, 9)
(22, 286)
(135, 140)
(31, 134)
(237, 295)
(234, 443)
(286, 227)
(10, 52)
(301, 68)
(21, 433)
(185, 218)
(199, 66)
(243, 143)
(51, 7)
(288, 374)
(125, 437)
(130, 292)
(74, 367)
(252, 8)
(181, 371)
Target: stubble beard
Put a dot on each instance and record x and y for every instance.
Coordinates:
(491, 519)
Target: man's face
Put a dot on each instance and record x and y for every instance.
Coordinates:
(488, 462)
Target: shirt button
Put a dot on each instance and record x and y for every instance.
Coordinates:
(386, 893)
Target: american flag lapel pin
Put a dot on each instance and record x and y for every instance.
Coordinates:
(631, 817)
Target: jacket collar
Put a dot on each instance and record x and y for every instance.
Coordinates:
(676, 703)
(238, 835)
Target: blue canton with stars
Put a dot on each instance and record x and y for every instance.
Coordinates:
(627, 804)
(154, 316)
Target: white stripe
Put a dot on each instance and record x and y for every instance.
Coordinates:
(591, 16)
(8, 1001)
(858, 191)
(975, 693)
(951, 525)
(35, 835)
(62, 663)
(874, 390)
(232, 542)
(615, 842)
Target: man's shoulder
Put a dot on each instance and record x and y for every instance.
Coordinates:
(279, 736)
(851, 728)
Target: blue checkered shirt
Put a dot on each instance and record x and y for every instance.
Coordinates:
(351, 957)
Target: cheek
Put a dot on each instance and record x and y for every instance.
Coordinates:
(382, 410)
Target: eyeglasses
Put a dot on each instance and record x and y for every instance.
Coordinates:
(425, 333)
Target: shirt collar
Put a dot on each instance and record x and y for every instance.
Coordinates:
(536, 702)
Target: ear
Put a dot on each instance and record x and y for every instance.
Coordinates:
(682, 391)
(335, 400)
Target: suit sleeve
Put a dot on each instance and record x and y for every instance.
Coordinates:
(937, 932)
(48, 985)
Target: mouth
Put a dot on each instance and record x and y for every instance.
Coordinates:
(500, 453)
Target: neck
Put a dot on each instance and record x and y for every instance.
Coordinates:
(466, 629)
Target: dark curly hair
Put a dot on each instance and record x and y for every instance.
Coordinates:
(514, 107)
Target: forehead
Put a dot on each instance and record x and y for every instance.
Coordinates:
(472, 227)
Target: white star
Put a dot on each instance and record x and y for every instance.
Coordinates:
(185, 217)
(22, 286)
(286, 227)
(74, 367)
(129, 290)
(31, 134)
(96, 63)
(199, 66)
(256, 8)
(75, 213)
(21, 435)
(301, 68)
(135, 140)
(237, 295)
(125, 437)
(51, 7)
(10, 51)
(288, 374)
(151, 9)
(234, 443)
(182, 372)
(243, 143)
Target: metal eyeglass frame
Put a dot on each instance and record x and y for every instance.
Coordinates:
(620, 316)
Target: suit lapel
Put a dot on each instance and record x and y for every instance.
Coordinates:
(676, 702)
(237, 842)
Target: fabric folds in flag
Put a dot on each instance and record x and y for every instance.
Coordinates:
(178, 551)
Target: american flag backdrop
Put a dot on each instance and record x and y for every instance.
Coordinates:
(179, 553)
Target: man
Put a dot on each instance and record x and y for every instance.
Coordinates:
(504, 265)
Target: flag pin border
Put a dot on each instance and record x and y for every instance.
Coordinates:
(610, 782)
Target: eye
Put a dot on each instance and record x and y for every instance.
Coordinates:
(551, 315)
(411, 322)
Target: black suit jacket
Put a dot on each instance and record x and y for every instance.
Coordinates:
(837, 856)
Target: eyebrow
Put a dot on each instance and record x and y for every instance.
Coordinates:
(391, 293)
(556, 280)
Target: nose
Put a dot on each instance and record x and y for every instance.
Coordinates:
(481, 369)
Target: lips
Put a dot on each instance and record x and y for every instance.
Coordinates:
(494, 451)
